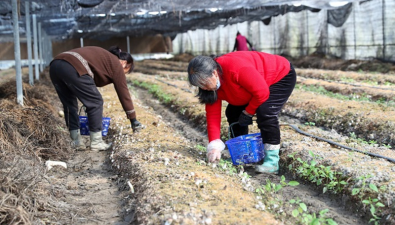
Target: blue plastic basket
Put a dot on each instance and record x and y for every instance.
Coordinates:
(84, 125)
(245, 149)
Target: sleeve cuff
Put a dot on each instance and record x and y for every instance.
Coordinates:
(131, 114)
(216, 144)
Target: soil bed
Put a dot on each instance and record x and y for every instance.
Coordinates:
(330, 158)
(309, 194)
(160, 175)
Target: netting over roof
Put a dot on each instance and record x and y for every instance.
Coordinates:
(103, 19)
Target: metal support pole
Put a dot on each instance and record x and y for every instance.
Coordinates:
(44, 48)
(258, 45)
(29, 43)
(307, 33)
(354, 26)
(218, 48)
(128, 43)
(326, 43)
(274, 30)
(40, 46)
(82, 42)
(17, 53)
(48, 50)
(35, 47)
(384, 38)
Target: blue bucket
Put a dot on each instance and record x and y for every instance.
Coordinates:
(246, 149)
(84, 125)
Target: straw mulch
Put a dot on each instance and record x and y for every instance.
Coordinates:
(29, 135)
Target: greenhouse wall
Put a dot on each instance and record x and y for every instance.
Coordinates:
(367, 32)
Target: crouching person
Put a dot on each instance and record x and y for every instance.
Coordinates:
(77, 73)
(252, 83)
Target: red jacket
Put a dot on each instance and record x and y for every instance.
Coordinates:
(241, 43)
(246, 79)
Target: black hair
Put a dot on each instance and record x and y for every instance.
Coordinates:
(200, 69)
(123, 56)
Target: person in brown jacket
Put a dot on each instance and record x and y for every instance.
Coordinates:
(77, 73)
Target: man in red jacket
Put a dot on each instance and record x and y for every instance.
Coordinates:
(252, 83)
(241, 43)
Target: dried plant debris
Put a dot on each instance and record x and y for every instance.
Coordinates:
(28, 136)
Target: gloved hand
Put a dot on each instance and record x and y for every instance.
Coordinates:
(214, 149)
(136, 125)
(244, 119)
(214, 155)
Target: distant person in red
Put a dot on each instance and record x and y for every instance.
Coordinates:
(241, 43)
(253, 83)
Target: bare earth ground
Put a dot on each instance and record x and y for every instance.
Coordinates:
(313, 196)
(172, 183)
(84, 193)
(159, 176)
(366, 117)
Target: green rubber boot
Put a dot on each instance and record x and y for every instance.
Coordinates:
(270, 162)
(77, 142)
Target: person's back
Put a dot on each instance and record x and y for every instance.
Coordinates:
(241, 43)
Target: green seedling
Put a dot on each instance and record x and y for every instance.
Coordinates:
(156, 91)
(350, 156)
(372, 203)
(371, 82)
(310, 123)
(353, 135)
(331, 180)
(362, 141)
(182, 111)
(321, 90)
(381, 100)
(302, 215)
(246, 175)
(227, 166)
(270, 192)
(387, 146)
(201, 148)
(372, 142)
(347, 80)
(273, 187)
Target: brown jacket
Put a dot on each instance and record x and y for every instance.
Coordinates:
(105, 68)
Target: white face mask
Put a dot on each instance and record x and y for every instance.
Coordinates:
(218, 84)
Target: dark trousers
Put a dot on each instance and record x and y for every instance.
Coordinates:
(267, 113)
(70, 85)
